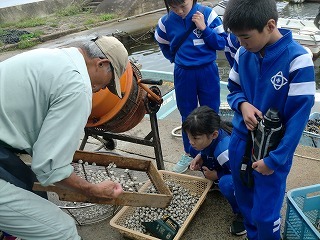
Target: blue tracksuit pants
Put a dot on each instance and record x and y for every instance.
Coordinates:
(227, 189)
(196, 86)
(260, 205)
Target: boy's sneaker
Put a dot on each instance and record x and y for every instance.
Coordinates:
(183, 164)
(237, 227)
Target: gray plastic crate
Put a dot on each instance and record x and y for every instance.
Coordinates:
(308, 138)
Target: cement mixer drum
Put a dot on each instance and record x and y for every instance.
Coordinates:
(112, 114)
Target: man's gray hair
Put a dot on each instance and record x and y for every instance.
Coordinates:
(92, 50)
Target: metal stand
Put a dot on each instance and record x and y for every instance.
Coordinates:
(152, 139)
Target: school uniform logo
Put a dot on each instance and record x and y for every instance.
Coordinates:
(198, 34)
(278, 81)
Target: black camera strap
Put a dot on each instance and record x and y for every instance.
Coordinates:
(246, 164)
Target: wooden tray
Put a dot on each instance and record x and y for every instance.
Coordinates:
(161, 199)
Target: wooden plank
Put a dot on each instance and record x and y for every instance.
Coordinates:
(157, 180)
(161, 199)
(125, 199)
(104, 159)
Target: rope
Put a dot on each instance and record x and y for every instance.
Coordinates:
(302, 156)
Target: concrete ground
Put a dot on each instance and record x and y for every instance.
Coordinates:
(214, 216)
(213, 219)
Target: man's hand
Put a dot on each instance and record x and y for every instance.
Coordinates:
(262, 168)
(106, 189)
(249, 114)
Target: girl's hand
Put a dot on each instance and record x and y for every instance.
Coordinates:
(198, 19)
(211, 175)
(195, 164)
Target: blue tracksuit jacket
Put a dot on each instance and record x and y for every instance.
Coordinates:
(200, 46)
(196, 76)
(216, 157)
(232, 45)
(283, 79)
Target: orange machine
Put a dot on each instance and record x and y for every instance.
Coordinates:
(118, 115)
(111, 115)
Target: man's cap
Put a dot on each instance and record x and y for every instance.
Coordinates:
(118, 56)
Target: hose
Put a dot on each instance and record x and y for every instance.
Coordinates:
(173, 132)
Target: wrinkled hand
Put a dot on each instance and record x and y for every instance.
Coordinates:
(198, 19)
(107, 189)
(211, 175)
(261, 167)
(249, 114)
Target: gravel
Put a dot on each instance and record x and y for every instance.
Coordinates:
(11, 36)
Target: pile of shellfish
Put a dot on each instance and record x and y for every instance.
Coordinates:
(85, 213)
(130, 180)
(181, 205)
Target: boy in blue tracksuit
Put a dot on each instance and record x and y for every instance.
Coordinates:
(270, 70)
(196, 76)
(209, 135)
(232, 45)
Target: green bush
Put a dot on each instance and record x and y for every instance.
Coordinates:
(28, 43)
(29, 40)
(106, 17)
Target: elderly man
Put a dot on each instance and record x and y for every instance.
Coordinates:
(45, 102)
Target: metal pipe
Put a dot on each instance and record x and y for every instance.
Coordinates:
(151, 94)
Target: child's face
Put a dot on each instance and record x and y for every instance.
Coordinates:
(252, 40)
(200, 142)
(182, 9)
(255, 41)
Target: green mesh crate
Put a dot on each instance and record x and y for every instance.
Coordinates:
(303, 214)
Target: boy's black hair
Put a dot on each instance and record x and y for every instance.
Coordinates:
(204, 120)
(169, 3)
(243, 15)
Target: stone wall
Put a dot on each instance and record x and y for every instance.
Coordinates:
(36, 9)
(127, 8)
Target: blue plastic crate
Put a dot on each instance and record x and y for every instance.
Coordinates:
(303, 214)
(308, 138)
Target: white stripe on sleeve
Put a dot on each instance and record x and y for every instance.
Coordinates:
(234, 76)
(223, 157)
(305, 88)
(161, 26)
(301, 61)
(160, 39)
(212, 17)
(219, 29)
